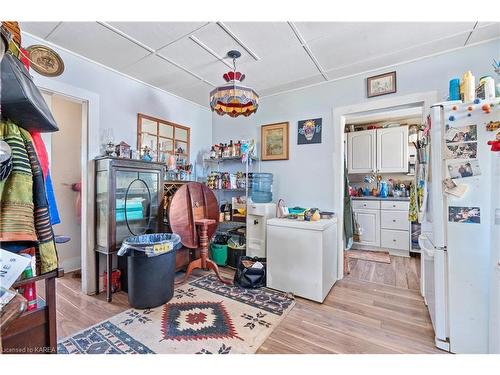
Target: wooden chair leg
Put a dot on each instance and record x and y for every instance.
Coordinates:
(347, 270)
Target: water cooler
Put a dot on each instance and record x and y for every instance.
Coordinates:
(257, 216)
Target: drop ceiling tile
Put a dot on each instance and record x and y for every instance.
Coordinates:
(198, 92)
(218, 40)
(293, 85)
(356, 41)
(97, 43)
(190, 55)
(485, 31)
(158, 72)
(40, 29)
(429, 30)
(157, 34)
(265, 38)
(378, 62)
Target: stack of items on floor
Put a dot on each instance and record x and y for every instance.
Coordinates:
(27, 208)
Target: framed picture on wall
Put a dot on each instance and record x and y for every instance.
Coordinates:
(382, 84)
(309, 131)
(274, 141)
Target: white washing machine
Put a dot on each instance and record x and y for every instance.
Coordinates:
(257, 216)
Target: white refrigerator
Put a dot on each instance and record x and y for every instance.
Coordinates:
(456, 239)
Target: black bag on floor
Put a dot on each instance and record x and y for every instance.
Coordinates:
(250, 277)
(22, 102)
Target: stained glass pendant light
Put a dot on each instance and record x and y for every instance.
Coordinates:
(232, 98)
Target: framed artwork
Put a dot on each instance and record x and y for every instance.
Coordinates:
(274, 141)
(382, 84)
(309, 131)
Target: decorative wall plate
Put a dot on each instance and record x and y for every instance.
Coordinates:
(45, 61)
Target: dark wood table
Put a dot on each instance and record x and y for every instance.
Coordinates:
(11, 312)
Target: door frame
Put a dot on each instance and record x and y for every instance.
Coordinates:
(90, 149)
(340, 115)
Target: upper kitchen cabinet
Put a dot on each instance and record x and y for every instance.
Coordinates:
(361, 151)
(392, 150)
(378, 150)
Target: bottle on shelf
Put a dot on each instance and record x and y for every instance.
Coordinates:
(212, 153)
(469, 87)
(221, 150)
(238, 149)
(231, 148)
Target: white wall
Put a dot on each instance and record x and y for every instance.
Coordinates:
(121, 98)
(307, 178)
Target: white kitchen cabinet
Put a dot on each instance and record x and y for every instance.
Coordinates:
(369, 223)
(392, 150)
(384, 225)
(378, 150)
(361, 151)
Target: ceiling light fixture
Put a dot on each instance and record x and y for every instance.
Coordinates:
(232, 98)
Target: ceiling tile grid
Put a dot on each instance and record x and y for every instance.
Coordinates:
(189, 58)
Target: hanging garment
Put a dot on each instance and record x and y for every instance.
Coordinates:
(43, 158)
(51, 198)
(413, 211)
(348, 212)
(24, 215)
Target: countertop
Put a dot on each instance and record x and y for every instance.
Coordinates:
(372, 198)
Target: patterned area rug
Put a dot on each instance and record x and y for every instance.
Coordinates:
(373, 256)
(204, 317)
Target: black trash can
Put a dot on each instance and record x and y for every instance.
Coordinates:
(150, 268)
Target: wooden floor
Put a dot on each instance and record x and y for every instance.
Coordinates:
(381, 315)
(402, 272)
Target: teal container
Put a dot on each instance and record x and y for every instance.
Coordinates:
(218, 253)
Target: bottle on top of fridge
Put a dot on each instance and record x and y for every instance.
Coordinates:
(469, 87)
(489, 87)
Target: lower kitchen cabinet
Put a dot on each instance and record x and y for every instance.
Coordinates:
(369, 222)
(383, 225)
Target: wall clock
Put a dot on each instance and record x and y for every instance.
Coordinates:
(45, 61)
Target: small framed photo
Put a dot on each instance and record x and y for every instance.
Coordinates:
(274, 141)
(309, 131)
(382, 84)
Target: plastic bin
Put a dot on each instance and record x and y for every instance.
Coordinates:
(150, 268)
(235, 250)
(262, 187)
(218, 253)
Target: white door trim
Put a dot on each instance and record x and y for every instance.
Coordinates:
(340, 115)
(90, 149)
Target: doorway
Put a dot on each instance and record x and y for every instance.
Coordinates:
(396, 108)
(64, 149)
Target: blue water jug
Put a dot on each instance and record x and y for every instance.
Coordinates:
(262, 187)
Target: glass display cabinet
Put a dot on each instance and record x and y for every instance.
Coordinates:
(128, 200)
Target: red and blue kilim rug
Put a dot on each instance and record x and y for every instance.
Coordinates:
(204, 317)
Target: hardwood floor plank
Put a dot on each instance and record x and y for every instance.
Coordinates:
(376, 309)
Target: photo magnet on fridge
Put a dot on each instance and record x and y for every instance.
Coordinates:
(469, 215)
(461, 150)
(463, 168)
